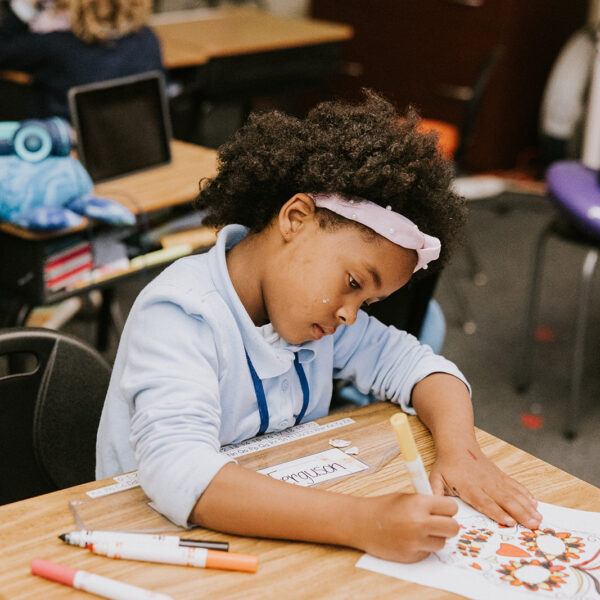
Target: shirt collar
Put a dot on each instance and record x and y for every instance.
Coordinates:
(269, 360)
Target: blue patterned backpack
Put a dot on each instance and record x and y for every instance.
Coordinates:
(41, 186)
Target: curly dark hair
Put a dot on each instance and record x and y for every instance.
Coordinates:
(358, 150)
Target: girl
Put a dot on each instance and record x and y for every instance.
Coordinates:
(331, 212)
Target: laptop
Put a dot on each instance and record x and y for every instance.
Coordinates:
(122, 125)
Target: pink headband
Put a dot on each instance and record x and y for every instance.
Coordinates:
(391, 225)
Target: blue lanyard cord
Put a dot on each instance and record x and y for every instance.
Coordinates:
(304, 386)
(263, 409)
(261, 399)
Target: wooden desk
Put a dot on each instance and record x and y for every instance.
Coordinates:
(194, 37)
(166, 186)
(154, 189)
(22, 251)
(225, 57)
(29, 528)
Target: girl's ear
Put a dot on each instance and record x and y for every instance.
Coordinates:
(295, 214)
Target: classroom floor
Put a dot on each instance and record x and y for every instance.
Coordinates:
(503, 231)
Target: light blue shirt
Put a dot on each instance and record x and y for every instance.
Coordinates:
(181, 387)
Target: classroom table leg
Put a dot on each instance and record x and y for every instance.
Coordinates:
(13, 311)
(105, 318)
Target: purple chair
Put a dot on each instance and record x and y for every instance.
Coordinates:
(575, 191)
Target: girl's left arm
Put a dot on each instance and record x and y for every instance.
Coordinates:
(461, 469)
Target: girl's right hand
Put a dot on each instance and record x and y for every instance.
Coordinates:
(405, 527)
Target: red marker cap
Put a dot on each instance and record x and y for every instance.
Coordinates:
(52, 571)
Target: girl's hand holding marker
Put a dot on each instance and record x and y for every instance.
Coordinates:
(407, 527)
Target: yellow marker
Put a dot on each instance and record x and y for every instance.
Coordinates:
(412, 458)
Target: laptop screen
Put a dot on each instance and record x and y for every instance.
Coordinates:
(122, 125)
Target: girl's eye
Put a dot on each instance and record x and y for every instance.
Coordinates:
(353, 283)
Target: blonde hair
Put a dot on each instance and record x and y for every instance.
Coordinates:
(101, 20)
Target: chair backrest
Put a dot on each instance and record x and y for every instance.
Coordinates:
(49, 414)
(474, 102)
(16, 97)
(406, 307)
(455, 140)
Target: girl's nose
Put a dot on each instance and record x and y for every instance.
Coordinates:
(346, 314)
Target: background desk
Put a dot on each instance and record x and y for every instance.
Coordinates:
(194, 37)
(237, 54)
(21, 268)
(29, 529)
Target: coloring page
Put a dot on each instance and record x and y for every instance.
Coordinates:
(486, 560)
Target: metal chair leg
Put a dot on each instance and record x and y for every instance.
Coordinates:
(478, 276)
(523, 379)
(573, 408)
(465, 314)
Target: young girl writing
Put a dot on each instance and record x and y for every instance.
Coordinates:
(323, 215)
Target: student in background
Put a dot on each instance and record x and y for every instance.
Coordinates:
(322, 216)
(64, 43)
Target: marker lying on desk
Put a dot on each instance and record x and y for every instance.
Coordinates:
(95, 584)
(189, 557)
(412, 458)
(85, 538)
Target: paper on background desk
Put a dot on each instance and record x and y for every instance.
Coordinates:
(487, 561)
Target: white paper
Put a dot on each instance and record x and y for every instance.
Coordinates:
(312, 470)
(486, 561)
(339, 443)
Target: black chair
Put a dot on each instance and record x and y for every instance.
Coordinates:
(406, 308)
(49, 412)
(455, 141)
(16, 97)
(573, 189)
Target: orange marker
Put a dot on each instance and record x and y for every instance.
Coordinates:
(178, 555)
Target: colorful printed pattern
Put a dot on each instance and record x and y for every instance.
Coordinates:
(568, 547)
(471, 541)
(548, 561)
(53, 194)
(534, 574)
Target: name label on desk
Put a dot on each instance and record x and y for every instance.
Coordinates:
(316, 468)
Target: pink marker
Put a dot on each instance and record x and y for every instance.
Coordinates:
(95, 584)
